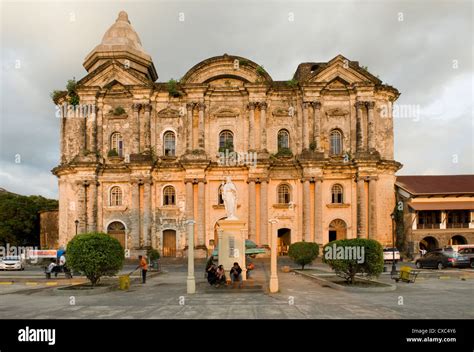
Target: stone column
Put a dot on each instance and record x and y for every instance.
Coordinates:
(135, 215)
(201, 220)
(372, 207)
(189, 129)
(361, 209)
(82, 135)
(146, 213)
(63, 133)
(147, 132)
(370, 126)
(136, 129)
(189, 200)
(251, 137)
(305, 126)
(274, 286)
(81, 207)
(92, 207)
(201, 142)
(263, 125)
(306, 211)
(252, 211)
(100, 129)
(264, 213)
(317, 124)
(93, 117)
(359, 127)
(318, 211)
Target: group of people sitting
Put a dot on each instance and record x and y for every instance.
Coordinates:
(216, 274)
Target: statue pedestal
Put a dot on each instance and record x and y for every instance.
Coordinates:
(232, 245)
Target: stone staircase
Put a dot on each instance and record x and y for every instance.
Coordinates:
(248, 286)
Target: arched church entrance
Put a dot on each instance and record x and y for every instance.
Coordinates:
(116, 229)
(284, 241)
(337, 230)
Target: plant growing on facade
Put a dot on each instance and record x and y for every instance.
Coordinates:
(71, 88)
(56, 95)
(243, 62)
(95, 255)
(284, 152)
(118, 111)
(303, 253)
(112, 153)
(261, 71)
(292, 83)
(172, 87)
(341, 256)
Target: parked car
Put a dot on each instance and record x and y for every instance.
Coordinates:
(441, 260)
(468, 253)
(388, 254)
(12, 263)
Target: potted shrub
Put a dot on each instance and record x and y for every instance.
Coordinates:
(153, 255)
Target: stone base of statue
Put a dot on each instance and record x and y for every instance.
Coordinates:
(232, 245)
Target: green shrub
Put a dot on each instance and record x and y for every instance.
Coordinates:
(153, 254)
(56, 95)
(341, 256)
(303, 253)
(95, 254)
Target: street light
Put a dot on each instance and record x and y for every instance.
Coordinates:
(77, 224)
(394, 267)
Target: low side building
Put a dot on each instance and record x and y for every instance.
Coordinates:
(49, 229)
(437, 210)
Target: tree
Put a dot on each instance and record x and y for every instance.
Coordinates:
(354, 256)
(95, 254)
(303, 253)
(19, 218)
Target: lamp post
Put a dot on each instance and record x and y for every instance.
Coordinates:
(77, 225)
(190, 282)
(394, 267)
(273, 258)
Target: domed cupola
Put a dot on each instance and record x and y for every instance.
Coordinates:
(122, 43)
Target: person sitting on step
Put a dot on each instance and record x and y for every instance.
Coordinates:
(236, 274)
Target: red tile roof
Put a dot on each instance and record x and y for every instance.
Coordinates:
(445, 184)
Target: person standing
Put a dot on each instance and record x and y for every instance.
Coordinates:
(144, 267)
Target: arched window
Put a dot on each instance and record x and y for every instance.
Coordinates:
(115, 196)
(220, 200)
(116, 143)
(283, 140)
(284, 194)
(169, 196)
(226, 141)
(335, 139)
(337, 194)
(169, 144)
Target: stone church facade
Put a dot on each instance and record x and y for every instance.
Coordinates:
(314, 153)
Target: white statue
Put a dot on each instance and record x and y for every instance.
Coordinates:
(229, 195)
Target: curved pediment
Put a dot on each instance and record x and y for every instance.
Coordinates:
(226, 112)
(168, 113)
(234, 68)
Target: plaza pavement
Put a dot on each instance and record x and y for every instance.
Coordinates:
(164, 297)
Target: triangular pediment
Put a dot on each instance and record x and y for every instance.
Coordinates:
(111, 72)
(343, 71)
(168, 112)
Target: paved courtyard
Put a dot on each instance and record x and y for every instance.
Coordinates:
(164, 296)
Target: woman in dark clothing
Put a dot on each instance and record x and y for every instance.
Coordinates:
(211, 275)
(236, 273)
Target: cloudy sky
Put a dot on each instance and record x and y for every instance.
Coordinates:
(423, 48)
